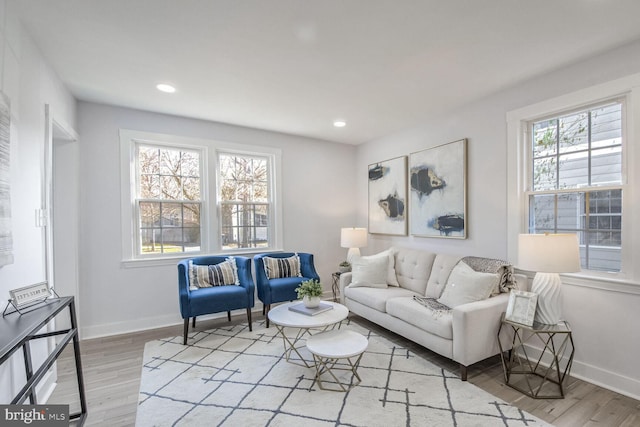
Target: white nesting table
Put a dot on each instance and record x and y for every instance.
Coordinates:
(282, 318)
(329, 348)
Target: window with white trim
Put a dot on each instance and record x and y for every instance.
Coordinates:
(168, 199)
(184, 196)
(244, 198)
(575, 180)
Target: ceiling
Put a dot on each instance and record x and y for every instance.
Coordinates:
(295, 66)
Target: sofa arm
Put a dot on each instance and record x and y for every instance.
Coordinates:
(475, 329)
(345, 280)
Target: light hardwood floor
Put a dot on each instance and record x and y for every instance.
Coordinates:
(112, 368)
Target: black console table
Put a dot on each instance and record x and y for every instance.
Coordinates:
(18, 330)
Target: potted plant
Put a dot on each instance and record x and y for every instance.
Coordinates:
(310, 292)
(344, 267)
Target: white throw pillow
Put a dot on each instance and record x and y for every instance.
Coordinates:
(466, 285)
(370, 271)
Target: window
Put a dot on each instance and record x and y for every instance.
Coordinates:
(184, 196)
(243, 192)
(168, 201)
(576, 181)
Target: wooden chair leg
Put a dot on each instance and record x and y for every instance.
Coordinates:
(186, 330)
(193, 325)
(249, 318)
(263, 308)
(229, 316)
(267, 308)
(463, 372)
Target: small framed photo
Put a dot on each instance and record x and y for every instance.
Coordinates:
(522, 307)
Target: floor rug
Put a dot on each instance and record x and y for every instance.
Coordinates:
(230, 376)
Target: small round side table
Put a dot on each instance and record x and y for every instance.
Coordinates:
(337, 350)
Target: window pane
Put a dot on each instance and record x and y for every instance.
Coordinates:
(574, 132)
(170, 188)
(171, 214)
(150, 239)
(543, 217)
(606, 126)
(606, 166)
(190, 164)
(148, 160)
(574, 170)
(149, 214)
(570, 211)
(545, 136)
(544, 174)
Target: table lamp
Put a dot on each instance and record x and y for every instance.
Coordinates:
(547, 255)
(354, 239)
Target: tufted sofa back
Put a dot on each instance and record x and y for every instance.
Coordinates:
(413, 268)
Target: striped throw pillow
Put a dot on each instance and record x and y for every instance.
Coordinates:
(206, 276)
(276, 268)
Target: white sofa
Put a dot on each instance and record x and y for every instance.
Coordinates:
(466, 333)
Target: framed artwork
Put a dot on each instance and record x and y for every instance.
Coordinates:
(387, 197)
(438, 196)
(521, 307)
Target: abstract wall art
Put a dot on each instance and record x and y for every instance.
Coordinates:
(6, 239)
(437, 199)
(388, 197)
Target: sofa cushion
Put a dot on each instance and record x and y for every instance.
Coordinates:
(375, 298)
(413, 268)
(370, 271)
(442, 266)
(435, 322)
(466, 285)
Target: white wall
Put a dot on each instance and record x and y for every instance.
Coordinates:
(604, 317)
(30, 83)
(318, 185)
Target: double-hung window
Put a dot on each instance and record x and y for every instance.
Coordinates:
(185, 196)
(244, 200)
(168, 199)
(575, 180)
(570, 170)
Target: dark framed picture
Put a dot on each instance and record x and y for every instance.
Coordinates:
(438, 196)
(521, 307)
(388, 197)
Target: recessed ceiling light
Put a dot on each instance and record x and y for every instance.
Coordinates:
(339, 123)
(163, 87)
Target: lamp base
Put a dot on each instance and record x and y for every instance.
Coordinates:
(352, 253)
(549, 309)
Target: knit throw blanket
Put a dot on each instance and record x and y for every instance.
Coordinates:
(497, 266)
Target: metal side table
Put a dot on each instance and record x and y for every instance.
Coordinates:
(537, 372)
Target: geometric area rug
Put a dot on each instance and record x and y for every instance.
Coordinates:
(229, 376)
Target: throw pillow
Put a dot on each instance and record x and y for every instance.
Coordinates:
(369, 271)
(206, 276)
(276, 268)
(467, 285)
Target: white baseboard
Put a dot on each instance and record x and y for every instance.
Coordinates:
(593, 374)
(137, 325)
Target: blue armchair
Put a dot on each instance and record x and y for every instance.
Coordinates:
(281, 289)
(215, 299)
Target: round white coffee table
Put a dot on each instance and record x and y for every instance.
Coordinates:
(282, 318)
(329, 348)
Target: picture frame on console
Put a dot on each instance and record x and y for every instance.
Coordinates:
(388, 197)
(438, 191)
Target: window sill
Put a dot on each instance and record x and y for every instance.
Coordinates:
(173, 260)
(602, 281)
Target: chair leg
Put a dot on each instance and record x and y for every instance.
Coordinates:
(229, 316)
(193, 325)
(263, 308)
(186, 330)
(266, 309)
(463, 372)
(249, 318)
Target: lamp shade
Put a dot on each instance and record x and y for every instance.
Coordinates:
(353, 237)
(549, 253)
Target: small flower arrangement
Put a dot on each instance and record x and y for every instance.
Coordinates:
(310, 288)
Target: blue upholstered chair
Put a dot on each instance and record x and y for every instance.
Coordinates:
(215, 299)
(281, 289)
